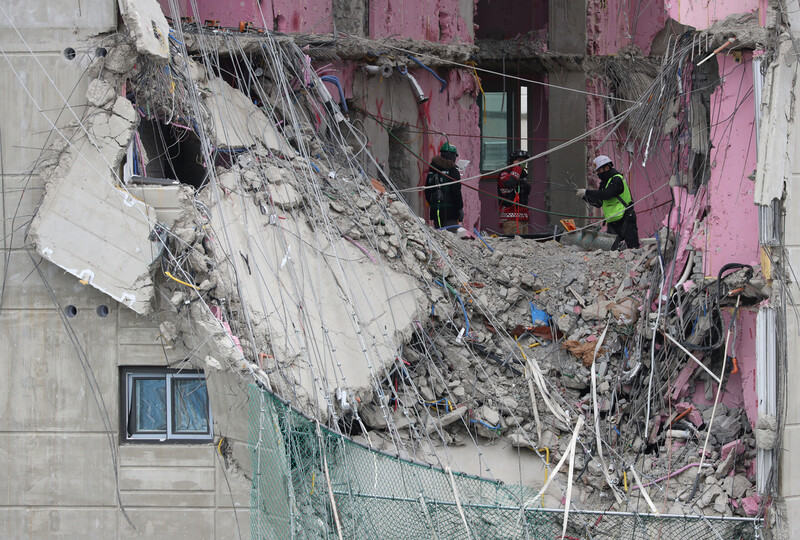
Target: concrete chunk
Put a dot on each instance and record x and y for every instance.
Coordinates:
(149, 27)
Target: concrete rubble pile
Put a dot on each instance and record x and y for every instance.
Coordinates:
(491, 341)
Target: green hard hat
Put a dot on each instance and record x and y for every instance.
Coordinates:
(447, 147)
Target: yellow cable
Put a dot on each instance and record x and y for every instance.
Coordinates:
(219, 445)
(521, 350)
(547, 461)
(173, 278)
(313, 480)
(625, 480)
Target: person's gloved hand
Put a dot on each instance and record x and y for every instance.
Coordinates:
(581, 193)
(461, 215)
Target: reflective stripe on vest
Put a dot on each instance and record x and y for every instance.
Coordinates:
(613, 209)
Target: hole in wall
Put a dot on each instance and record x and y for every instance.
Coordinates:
(102, 311)
(101, 52)
(70, 311)
(173, 153)
(69, 53)
(402, 169)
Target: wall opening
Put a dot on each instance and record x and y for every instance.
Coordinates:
(173, 153)
(403, 168)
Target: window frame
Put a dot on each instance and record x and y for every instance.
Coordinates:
(128, 375)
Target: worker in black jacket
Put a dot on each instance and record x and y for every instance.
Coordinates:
(614, 197)
(443, 189)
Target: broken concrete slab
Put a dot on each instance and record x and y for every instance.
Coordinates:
(90, 227)
(237, 123)
(148, 26)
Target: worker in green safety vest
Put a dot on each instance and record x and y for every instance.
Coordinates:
(614, 197)
(443, 189)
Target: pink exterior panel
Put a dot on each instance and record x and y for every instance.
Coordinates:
(733, 218)
(455, 112)
(701, 14)
(430, 20)
(614, 24)
(281, 15)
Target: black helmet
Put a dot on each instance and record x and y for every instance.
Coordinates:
(517, 154)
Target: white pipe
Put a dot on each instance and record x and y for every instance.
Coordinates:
(686, 271)
(678, 433)
(693, 357)
(384, 71)
(417, 89)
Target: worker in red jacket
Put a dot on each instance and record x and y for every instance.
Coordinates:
(511, 186)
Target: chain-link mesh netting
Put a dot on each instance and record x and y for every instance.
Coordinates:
(307, 479)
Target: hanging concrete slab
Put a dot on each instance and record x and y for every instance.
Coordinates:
(88, 226)
(237, 122)
(149, 27)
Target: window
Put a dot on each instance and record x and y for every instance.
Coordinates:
(496, 129)
(165, 405)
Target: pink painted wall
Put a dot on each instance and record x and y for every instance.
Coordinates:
(614, 24)
(702, 14)
(733, 218)
(431, 20)
(280, 15)
(455, 112)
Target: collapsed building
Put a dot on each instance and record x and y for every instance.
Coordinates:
(233, 213)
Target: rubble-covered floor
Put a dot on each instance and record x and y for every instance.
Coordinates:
(286, 265)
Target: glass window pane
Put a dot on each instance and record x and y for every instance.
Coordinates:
(494, 131)
(189, 405)
(150, 401)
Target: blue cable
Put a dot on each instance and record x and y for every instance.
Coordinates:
(481, 239)
(460, 301)
(423, 66)
(333, 80)
(173, 37)
(484, 424)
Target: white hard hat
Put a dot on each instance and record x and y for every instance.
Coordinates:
(599, 161)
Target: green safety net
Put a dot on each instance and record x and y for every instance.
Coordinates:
(300, 469)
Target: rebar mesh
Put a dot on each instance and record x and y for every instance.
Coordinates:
(301, 468)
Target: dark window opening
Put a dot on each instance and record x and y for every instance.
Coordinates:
(172, 153)
(508, 19)
(163, 405)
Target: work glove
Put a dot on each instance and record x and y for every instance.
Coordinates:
(461, 215)
(581, 193)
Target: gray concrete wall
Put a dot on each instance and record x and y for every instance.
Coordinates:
(789, 485)
(567, 30)
(566, 109)
(59, 417)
